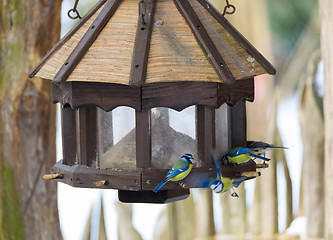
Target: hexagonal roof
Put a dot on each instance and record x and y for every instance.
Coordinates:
(136, 43)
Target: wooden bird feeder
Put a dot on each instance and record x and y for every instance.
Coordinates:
(143, 82)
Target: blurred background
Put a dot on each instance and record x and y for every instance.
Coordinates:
(286, 202)
(272, 206)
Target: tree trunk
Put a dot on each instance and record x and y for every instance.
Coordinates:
(310, 114)
(326, 13)
(28, 205)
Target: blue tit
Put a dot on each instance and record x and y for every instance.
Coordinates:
(179, 170)
(238, 181)
(221, 184)
(240, 155)
(261, 147)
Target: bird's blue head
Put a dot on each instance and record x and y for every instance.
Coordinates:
(217, 186)
(188, 157)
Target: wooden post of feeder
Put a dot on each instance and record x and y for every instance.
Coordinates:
(68, 135)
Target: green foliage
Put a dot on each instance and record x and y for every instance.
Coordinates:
(288, 19)
(11, 218)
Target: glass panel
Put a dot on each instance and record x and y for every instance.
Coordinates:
(222, 130)
(116, 132)
(173, 135)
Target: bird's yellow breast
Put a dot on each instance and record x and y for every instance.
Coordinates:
(182, 175)
(227, 183)
(240, 158)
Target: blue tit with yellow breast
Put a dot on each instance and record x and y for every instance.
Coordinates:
(179, 170)
(221, 184)
(240, 155)
(262, 147)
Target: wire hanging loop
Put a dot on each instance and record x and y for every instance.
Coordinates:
(228, 9)
(74, 13)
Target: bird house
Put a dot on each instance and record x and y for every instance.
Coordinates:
(143, 82)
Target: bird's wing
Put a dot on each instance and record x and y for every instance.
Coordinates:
(238, 181)
(238, 151)
(175, 171)
(218, 171)
(180, 164)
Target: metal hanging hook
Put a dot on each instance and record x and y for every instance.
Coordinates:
(74, 11)
(228, 9)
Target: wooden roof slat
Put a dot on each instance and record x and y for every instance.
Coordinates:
(142, 43)
(64, 39)
(238, 36)
(240, 62)
(174, 53)
(109, 58)
(87, 40)
(179, 41)
(205, 41)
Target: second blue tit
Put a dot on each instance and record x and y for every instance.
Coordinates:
(222, 184)
(240, 155)
(179, 170)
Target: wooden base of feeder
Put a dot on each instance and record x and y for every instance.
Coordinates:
(137, 185)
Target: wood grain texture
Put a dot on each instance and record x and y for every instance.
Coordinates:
(232, 94)
(142, 42)
(174, 52)
(105, 95)
(85, 177)
(326, 14)
(138, 179)
(87, 136)
(174, 95)
(109, 58)
(52, 62)
(68, 135)
(28, 205)
(244, 60)
(143, 139)
(205, 41)
(62, 93)
(179, 95)
(86, 41)
(87, 17)
(205, 126)
(238, 125)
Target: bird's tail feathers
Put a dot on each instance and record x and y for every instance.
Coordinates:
(161, 184)
(281, 147)
(260, 157)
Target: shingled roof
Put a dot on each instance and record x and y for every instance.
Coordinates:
(136, 43)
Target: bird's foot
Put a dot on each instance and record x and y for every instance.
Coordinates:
(182, 184)
(234, 194)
